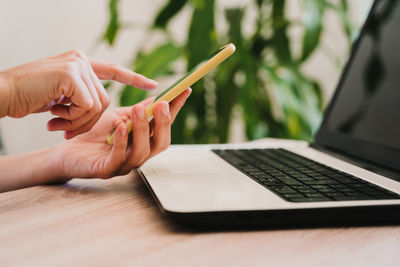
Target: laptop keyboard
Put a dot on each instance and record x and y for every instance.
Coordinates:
(298, 179)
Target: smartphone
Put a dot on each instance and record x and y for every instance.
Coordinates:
(185, 82)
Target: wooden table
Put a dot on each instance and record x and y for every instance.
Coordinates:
(116, 222)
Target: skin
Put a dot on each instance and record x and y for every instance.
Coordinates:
(87, 155)
(67, 85)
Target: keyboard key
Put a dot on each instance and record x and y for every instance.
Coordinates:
(335, 194)
(288, 180)
(320, 182)
(292, 195)
(307, 191)
(282, 189)
(310, 199)
(323, 188)
(271, 181)
(314, 195)
(300, 187)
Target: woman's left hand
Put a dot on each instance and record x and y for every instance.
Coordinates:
(89, 155)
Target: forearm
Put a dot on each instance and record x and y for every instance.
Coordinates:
(4, 95)
(18, 171)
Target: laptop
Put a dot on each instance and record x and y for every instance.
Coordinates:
(349, 174)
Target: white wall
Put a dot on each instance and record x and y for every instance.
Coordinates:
(34, 29)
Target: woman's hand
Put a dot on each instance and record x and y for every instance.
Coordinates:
(68, 85)
(89, 155)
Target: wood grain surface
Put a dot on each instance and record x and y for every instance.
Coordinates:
(117, 223)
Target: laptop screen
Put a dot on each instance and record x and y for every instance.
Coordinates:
(363, 119)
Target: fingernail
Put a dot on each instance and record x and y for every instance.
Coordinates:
(165, 108)
(154, 83)
(190, 92)
(140, 112)
(123, 130)
(151, 84)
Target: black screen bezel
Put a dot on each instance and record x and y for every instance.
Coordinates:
(340, 143)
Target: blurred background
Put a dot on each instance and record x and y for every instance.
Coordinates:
(288, 61)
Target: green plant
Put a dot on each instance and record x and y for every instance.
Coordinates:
(263, 81)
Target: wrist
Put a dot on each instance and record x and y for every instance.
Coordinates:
(46, 169)
(4, 95)
(55, 164)
(28, 169)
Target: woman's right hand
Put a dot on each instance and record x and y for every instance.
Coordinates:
(68, 85)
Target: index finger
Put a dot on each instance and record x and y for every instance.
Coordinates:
(112, 71)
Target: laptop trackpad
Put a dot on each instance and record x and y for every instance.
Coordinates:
(178, 163)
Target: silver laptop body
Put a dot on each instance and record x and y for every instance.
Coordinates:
(197, 187)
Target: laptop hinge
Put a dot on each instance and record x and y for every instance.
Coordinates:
(373, 167)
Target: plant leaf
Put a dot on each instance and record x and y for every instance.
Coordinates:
(113, 24)
(280, 38)
(168, 12)
(131, 95)
(107, 84)
(201, 38)
(312, 22)
(158, 61)
(154, 64)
